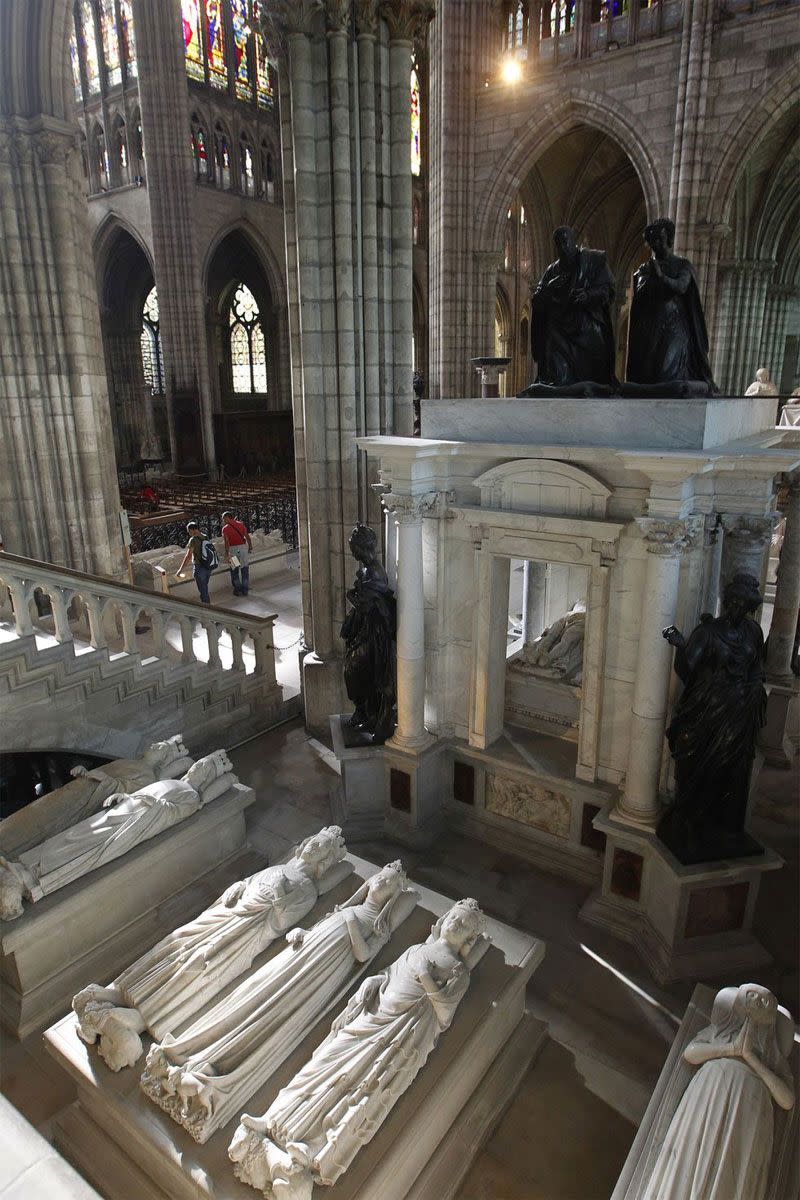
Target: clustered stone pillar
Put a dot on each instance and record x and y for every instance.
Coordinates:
(410, 733)
(666, 540)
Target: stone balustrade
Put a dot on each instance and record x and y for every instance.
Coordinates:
(95, 613)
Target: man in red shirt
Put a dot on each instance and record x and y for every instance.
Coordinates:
(237, 552)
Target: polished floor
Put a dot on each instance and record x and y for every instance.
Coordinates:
(568, 1130)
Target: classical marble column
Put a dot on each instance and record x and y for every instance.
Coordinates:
(746, 540)
(406, 20)
(489, 371)
(787, 592)
(666, 540)
(534, 587)
(410, 733)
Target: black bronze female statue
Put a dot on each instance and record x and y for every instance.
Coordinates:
(369, 632)
(667, 339)
(713, 732)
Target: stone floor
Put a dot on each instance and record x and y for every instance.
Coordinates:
(568, 1130)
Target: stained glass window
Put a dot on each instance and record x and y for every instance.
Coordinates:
(192, 43)
(222, 158)
(241, 37)
(152, 355)
(264, 84)
(76, 66)
(128, 38)
(108, 33)
(199, 149)
(246, 168)
(416, 124)
(91, 63)
(100, 158)
(215, 45)
(248, 349)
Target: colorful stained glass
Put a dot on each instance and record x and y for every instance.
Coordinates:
(241, 37)
(152, 354)
(246, 163)
(215, 45)
(192, 42)
(91, 62)
(108, 33)
(76, 66)
(200, 154)
(128, 38)
(264, 84)
(416, 124)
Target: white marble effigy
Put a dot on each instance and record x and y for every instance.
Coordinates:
(204, 1074)
(164, 988)
(127, 1146)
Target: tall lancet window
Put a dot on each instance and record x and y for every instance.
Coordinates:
(192, 40)
(108, 33)
(152, 356)
(248, 349)
(416, 122)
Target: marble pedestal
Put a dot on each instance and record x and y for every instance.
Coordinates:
(776, 742)
(684, 921)
(126, 1146)
(95, 926)
(672, 1083)
(388, 788)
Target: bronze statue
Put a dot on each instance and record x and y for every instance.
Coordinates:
(667, 338)
(713, 732)
(369, 631)
(572, 337)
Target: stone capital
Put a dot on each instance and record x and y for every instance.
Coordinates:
(337, 15)
(667, 536)
(366, 18)
(607, 552)
(407, 19)
(748, 530)
(282, 18)
(409, 510)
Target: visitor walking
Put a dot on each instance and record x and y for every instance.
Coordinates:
(204, 559)
(237, 552)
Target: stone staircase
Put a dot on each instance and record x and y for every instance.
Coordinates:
(93, 665)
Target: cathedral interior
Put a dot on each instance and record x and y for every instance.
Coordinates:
(399, 599)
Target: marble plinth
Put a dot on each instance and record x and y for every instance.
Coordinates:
(672, 1083)
(358, 803)
(684, 921)
(95, 926)
(127, 1146)
(621, 422)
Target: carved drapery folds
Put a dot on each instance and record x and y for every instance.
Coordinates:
(407, 19)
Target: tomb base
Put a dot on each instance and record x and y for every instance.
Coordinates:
(127, 1146)
(103, 921)
(684, 921)
(675, 1077)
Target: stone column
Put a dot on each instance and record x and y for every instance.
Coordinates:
(406, 20)
(746, 540)
(787, 592)
(690, 111)
(666, 540)
(58, 486)
(534, 581)
(410, 733)
(487, 264)
(164, 100)
(776, 743)
(489, 371)
(366, 26)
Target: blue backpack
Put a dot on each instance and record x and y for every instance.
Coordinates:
(208, 555)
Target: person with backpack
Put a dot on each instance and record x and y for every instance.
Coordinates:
(204, 559)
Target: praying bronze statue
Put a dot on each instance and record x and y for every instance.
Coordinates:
(714, 729)
(369, 632)
(572, 336)
(667, 336)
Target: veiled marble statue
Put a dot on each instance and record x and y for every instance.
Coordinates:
(125, 821)
(204, 1076)
(185, 970)
(376, 1048)
(84, 795)
(667, 336)
(572, 335)
(714, 728)
(719, 1143)
(369, 631)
